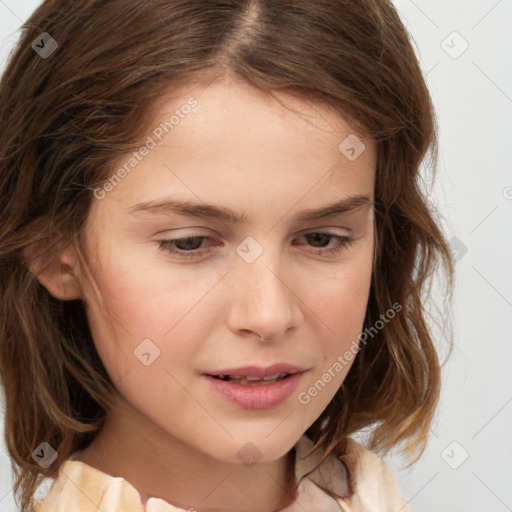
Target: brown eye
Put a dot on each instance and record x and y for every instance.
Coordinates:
(320, 241)
(188, 247)
(190, 243)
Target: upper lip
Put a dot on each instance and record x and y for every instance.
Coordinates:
(258, 371)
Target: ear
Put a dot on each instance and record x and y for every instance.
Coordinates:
(60, 277)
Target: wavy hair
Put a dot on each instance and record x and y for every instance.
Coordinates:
(67, 117)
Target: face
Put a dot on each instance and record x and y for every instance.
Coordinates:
(243, 279)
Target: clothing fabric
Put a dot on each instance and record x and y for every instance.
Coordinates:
(361, 479)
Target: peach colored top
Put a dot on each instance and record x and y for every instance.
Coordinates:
(364, 482)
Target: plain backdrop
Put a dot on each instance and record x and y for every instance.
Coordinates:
(465, 50)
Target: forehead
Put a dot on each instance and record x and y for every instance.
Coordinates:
(231, 109)
(239, 146)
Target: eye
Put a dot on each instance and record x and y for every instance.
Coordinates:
(184, 247)
(192, 246)
(322, 239)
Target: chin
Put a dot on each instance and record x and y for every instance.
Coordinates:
(257, 446)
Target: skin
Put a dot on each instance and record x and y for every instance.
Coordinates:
(170, 436)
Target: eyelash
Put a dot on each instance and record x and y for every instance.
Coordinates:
(342, 242)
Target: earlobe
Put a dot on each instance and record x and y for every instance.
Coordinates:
(61, 276)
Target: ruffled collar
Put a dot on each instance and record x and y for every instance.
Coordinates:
(80, 486)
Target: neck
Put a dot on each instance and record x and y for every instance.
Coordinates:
(161, 466)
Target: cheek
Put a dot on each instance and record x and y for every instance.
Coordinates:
(340, 301)
(339, 305)
(138, 307)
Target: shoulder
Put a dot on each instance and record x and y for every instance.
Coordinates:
(372, 483)
(81, 487)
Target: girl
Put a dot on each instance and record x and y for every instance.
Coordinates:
(214, 252)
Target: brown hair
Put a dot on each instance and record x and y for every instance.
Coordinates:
(67, 117)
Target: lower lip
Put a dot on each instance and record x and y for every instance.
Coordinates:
(262, 396)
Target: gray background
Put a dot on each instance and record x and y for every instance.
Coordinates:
(468, 462)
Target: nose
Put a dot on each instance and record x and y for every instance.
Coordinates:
(264, 304)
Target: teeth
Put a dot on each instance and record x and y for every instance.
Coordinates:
(271, 377)
(251, 380)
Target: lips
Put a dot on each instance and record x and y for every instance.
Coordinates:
(272, 373)
(248, 380)
(254, 387)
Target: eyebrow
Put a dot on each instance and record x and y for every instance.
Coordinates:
(169, 206)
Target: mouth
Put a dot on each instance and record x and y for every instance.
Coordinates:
(257, 388)
(251, 380)
(256, 375)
